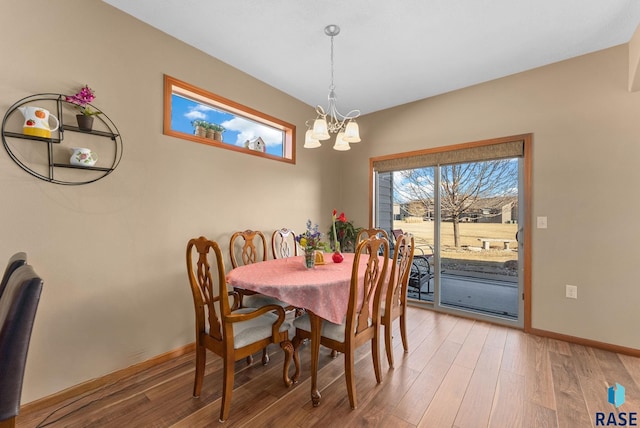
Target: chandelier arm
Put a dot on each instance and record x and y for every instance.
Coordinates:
(353, 114)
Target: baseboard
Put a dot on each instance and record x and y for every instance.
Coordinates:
(80, 389)
(587, 342)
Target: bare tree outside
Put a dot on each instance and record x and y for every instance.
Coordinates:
(470, 192)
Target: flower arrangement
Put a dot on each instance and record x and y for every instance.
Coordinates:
(343, 232)
(310, 240)
(82, 100)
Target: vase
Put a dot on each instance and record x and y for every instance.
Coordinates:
(200, 131)
(309, 258)
(83, 157)
(337, 257)
(85, 122)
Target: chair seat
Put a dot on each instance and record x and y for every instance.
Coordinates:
(329, 330)
(260, 300)
(253, 330)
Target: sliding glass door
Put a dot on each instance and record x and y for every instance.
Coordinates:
(466, 219)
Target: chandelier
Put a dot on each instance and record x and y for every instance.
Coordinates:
(332, 121)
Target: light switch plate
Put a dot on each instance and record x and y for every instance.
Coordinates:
(542, 222)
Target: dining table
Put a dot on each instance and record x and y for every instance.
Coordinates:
(323, 291)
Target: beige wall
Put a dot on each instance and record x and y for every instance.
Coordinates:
(586, 148)
(112, 252)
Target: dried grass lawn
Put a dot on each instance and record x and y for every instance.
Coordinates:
(470, 247)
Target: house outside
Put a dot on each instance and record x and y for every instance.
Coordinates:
(485, 210)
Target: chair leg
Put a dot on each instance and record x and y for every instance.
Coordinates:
(265, 357)
(403, 329)
(296, 358)
(287, 347)
(388, 344)
(375, 353)
(201, 359)
(227, 388)
(350, 377)
(250, 360)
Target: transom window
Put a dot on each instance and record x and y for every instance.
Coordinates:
(194, 114)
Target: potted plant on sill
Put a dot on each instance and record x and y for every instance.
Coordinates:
(217, 131)
(200, 127)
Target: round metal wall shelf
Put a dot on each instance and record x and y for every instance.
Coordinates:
(48, 158)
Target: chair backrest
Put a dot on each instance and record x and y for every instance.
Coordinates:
(18, 307)
(364, 296)
(283, 243)
(209, 307)
(17, 260)
(368, 233)
(396, 294)
(252, 246)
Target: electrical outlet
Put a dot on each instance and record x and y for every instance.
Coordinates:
(542, 222)
(571, 291)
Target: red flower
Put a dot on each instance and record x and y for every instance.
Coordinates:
(342, 218)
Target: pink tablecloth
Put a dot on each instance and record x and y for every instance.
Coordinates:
(324, 290)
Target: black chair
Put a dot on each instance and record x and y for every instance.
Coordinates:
(18, 305)
(17, 260)
(421, 269)
(421, 274)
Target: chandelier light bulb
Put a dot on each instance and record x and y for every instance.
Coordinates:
(352, 132)
(320, 130)
(309, 141)
(341, 144)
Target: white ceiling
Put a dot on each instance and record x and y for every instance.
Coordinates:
(388, 52)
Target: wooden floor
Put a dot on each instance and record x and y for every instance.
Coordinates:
(458, 373)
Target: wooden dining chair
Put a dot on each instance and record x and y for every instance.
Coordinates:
(231, 334)
(283, 243)
(362, 321)
(394, 303)
(246, 247)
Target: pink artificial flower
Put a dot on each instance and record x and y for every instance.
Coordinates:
(82, 99)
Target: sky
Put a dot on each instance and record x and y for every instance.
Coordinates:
(405, 189)
(237, 129)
